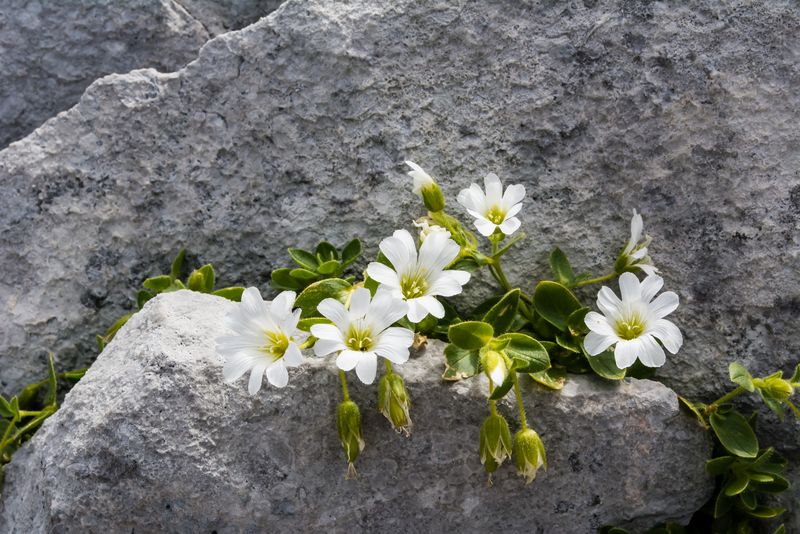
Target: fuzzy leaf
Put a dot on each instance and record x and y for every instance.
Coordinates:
(311, 296)
(555, 303)
(52, 382)
(282, 279)
(528, 355)
(306, 324)
(303, 275)
(553, 378)
(502, 314)
(561, 268)
(326, 252)
(233, 293)
(158, 284)
(304, 258)
(470, 335)
(351, 251)
(605, 365)
(718, 466)
(460, 363)
(142, 297)
(735, 433)
(177, 264)
(329, 267)
(740, 375)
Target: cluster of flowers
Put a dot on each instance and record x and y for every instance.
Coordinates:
(265, 337)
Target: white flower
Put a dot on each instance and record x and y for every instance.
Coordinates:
(421, 178)
(635, 252)
(634, 323)
(417, 279)
(265, 340)
(363, 332)
(426, 228)
(494, 209)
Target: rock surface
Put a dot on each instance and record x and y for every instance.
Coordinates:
(151, 440)
(295, 129)
(51, 51)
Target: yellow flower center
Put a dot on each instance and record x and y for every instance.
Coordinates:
(496, 214)
(630, 327)
(413, 285)
(276, 345)
(359, 339)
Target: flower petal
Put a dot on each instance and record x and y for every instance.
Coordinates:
(416, 311)
(650, 286)
(256, 376)
(513, 210)
(651, 355)
(359, 302)
(514, 195)
(236, 365)
(465, 199)
(608, 302)
(626, 352)
(399, 249)
(599, 324)
(394, 343)
(252, 303)
(436, 252)
(323, 347)
(293, 356)
(326, 331)
(663, 305)
(385, 310)
(447, 284)
(383, 274)
(433, 306)
(281, 306)
(511, 225)
(629, 287)
(494, 189)
(595, 343)
(277, 374)
(347, 359)
(669, 334)
(485, 226)
(335, 311)
(366, 367)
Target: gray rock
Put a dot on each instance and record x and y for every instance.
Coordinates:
(296, 127)
(152, 440)
(51, 51)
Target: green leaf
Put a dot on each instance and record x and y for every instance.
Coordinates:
(326, 252)
(351, 252)
(605, 365)
(796, 376)
(52, 382)
(282, 279)
(470, 335)
(467, 264)
(233, 293)
(748, 500)
(575, 322)
(736, 485)
(177, 264)
(555, 303)
(101, 342)
(306, 324)
(304, 258)
(5, 408)
(209, 277)
(310, 297)
(780, 530)
(553, 378)
(501, 315)
(460, 363)
(142, 297)
(158, 284)
(778, 485)
(14, 403)
(718, 466)
(303, 275)
(722, 505)
(500, 391)
(735, 433)
(765, 512)
(112, 331)
(561, 268)
(740, 375)
(528, 355)
(329, 267)
(568, 342)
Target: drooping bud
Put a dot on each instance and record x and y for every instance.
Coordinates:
(394, 402)
(348, 423)
(495, 442)
(775, 387)
(427, 189)
(529, 454)
(495, 366)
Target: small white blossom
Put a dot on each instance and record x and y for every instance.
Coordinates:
(634, 255)
(362, 332)
(421, 178)
(633, 323)
(493, 209)
(265, 340)
(426, 228)
(419, 278)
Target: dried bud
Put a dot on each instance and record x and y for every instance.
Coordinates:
(394, 402)
(495, 442)
(528, 454)
(348, 423)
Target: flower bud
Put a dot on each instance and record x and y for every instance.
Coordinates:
(495, 442)
(495, 366)
(777, 388)
(394, 402)
(348, 423)
(528, 454)
(196, 281)
(427, 189)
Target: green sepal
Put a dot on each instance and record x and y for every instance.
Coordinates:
(351, 252)
(177, 264)
(555, 303)
(304, 258)
(159, 284)
(605, 365)
(282, 279)
(233, 293)
(502, 314)
(470, 335)
(460, 363)
(326, 252)
(309, 299)
(734, 433)
(306, 324)
(741, 376)
(527, 354)
(52, 382)
(329, 267)
(554, 378)
(561, 268)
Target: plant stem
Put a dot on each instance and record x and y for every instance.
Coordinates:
(523, 421)
(345, 394)
(7, 432)
(492, 404)
(728, 396)
(33, 423)
(603, 278)
(24, 413)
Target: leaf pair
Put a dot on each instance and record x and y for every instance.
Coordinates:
(324, 263)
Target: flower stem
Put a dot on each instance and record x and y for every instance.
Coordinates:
(345, 394)
(728, 396)
(523, 421)
(492, 404)
(603, 278)
(24, 413)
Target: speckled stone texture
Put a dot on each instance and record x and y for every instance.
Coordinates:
(152, 440)
(50, 51)
(295, 129)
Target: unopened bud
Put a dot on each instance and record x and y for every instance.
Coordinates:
(529, 454)
(776, 388)
(394, 402)
(495, 366)
(348, 423)
(196, 281)
(495, 442)
(427, 189)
